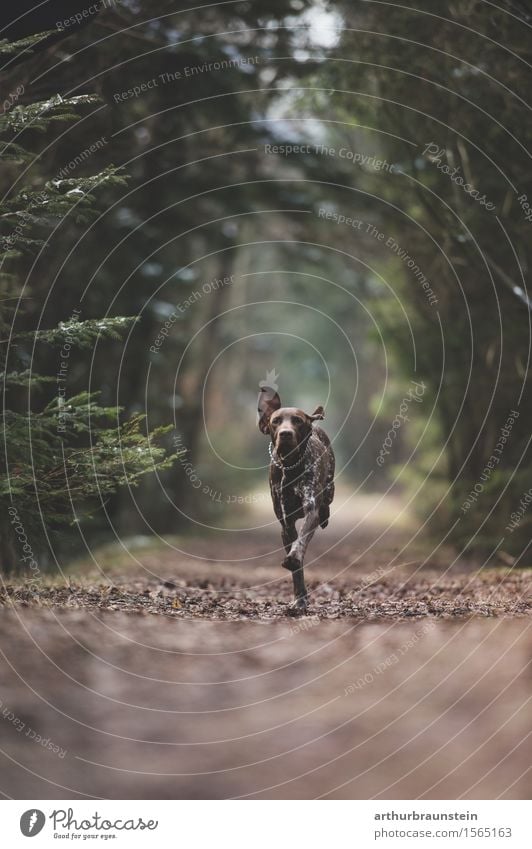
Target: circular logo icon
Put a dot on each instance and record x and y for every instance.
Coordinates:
(32, 822)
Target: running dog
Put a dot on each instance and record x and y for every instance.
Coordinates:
(301, 479)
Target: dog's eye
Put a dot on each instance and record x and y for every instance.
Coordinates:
(276, 421)
(297, 420)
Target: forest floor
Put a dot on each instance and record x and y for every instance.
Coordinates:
(176, 670)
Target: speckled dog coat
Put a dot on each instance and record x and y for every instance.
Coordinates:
(310, 484)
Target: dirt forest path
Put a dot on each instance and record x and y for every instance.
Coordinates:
(179, 673)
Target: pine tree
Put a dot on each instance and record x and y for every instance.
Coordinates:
(63, 457)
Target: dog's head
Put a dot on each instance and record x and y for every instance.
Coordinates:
(288, 427)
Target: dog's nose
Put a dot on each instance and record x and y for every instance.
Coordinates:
(286, 434)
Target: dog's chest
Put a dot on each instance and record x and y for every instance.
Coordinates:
(301, 489)
(291, 493)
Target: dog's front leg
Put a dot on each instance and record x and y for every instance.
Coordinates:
(294, 559)
(289, 536)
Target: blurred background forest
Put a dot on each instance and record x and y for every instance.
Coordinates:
(331, 196)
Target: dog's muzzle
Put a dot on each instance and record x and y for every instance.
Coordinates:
(286, 441)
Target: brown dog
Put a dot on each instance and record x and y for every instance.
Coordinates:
(301, 479)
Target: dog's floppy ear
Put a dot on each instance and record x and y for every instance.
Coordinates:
(269, 402)
(319, 413)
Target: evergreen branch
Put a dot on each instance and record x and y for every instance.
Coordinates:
(10, 48)
(83, 334)
(24, 378)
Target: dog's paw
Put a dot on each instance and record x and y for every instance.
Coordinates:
(298, 607)
(291, 563)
